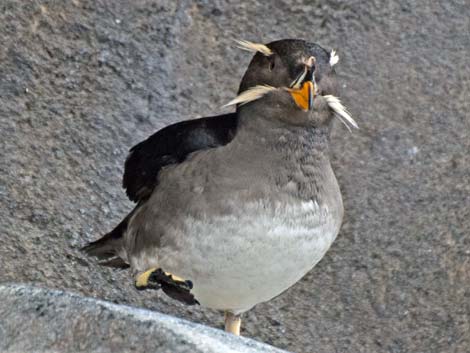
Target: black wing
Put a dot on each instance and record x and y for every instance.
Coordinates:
(171, 145)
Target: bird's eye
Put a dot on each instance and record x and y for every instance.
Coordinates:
(272, 64)
(310, 62)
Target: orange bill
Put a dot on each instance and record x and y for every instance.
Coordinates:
(303, 96)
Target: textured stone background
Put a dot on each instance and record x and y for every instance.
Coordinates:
(81, 81)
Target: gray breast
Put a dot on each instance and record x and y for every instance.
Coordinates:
(243, 222)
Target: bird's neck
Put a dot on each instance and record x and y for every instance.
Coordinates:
(294, 158)
(275, 134)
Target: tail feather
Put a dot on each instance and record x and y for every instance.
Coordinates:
(115, 262)
(107, 248)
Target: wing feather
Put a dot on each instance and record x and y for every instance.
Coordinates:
(171, 145)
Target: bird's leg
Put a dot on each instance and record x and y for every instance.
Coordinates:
(232, 323)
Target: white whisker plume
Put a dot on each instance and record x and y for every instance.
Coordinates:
(334, 58)
(251, 95)
(340, 111)
(253, 47)
(344, 122)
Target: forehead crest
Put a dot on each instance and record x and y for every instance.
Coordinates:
(334, 58)
(254, 47)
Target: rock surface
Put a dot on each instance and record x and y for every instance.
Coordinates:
(81, 81)
(43, 320)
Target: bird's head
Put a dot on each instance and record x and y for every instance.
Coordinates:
(292, 80)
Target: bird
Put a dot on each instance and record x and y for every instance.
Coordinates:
(232, 210)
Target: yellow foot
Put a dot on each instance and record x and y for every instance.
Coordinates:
(173, 286)
(142, 280)
(232, 323)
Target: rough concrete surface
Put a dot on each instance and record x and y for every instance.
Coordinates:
(81, 81)
(42, 320)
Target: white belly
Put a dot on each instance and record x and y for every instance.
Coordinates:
(239, 260)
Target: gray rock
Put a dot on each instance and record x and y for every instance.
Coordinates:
(43, 320)
(82, 81)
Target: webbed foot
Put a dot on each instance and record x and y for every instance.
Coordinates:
(173, 286)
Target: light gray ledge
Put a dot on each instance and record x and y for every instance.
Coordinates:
(43, 320)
